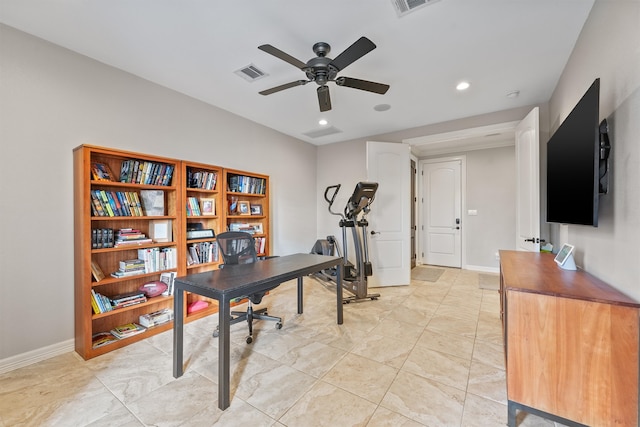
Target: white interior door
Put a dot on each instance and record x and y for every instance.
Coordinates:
(528, 183)
(442, 201)
(388, 164)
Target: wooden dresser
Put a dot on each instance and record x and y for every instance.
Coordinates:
(571, 343)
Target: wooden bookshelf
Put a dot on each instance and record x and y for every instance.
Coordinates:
(154, 175)
(203, 208)
(247, 205)
(213, 201)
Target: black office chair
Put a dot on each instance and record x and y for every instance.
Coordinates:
(238, 247)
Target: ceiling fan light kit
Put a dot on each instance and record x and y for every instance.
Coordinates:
(323, 70)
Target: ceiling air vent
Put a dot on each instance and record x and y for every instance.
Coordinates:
(322, 132)
(251, 73)
(404, 7)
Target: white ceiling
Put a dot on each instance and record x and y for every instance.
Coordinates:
(194, 47)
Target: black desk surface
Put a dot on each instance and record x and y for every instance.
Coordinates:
(236, 280)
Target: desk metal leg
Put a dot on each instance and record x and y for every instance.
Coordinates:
(339, 292)
(178, 304)
(299, 295)
(224, 354)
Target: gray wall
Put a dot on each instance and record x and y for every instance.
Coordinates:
(491, 190)
(608, 47)
(52, 100)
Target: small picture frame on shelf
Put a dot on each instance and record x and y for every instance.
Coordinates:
(257, 227)
(244, 208)
(256, 209)
(101, 172)
(207, 206)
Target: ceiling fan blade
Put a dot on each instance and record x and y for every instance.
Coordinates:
(357, 50)
(362, 85)
(282, 55)
(324, 100)
(283, 87)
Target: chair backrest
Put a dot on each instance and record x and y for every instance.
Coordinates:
(237, 247)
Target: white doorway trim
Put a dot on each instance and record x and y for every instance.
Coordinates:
(463, 209)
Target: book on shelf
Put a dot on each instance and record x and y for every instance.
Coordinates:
(128, 299)
(102, 238)
(202, 179)
(246, 184)
(102, 338)
(203, 252)
(100, 303)
(193, 207)
(131, 237)
(158, 259)
(156, 318)
(96, 271)
(115, 203)
(144, 172)
(168, 278)
(127, 330)
(101, 172)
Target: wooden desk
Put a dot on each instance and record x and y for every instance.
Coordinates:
(241, 280)
(571, 343)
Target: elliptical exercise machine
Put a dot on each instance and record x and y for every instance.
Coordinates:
(354, 277)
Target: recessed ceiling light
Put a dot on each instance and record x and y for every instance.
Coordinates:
(513, 94)
(463, 86)
(323, 122)
(382, 107)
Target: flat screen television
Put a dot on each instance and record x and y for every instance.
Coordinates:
(574, 164)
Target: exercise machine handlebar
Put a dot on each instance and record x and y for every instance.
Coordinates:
(332, 198)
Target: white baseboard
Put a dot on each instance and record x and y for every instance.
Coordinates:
(35, 356)
(495, 270)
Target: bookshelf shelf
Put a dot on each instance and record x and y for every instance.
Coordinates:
(151, 301)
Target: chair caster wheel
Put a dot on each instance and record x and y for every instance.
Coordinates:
(216, 333)
(278, 325)
(249, 340)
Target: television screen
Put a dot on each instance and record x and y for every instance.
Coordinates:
(573, 164)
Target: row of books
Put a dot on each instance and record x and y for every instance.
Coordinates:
(149, 260)
(144, 172)
(201, 253)
(247, 184)
(102, 304)
(261, 243)
(193, 207)
(131, 237)
(102, 238)
(156, 318)
(101, 339)
(128, 330)
(115, 203)
(202, 179)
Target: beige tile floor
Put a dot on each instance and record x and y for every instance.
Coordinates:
(428, 354)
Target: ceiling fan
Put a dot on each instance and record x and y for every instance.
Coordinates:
(323, 69)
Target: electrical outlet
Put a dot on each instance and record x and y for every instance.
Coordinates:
(498, 256)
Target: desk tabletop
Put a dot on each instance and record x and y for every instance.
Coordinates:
(235, 280)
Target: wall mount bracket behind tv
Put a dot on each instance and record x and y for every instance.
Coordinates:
(605, 149)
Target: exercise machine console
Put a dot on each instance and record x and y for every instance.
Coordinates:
(354, 217)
